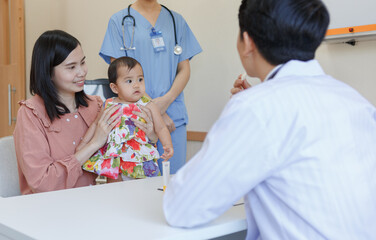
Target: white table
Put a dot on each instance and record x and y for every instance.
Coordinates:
(124, 210)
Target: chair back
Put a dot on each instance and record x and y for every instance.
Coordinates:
(99, 87)
(9, 183)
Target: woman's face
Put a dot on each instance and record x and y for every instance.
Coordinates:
(69, 76)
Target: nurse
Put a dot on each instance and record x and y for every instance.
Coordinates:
(161, 40)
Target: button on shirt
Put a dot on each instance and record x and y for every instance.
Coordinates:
(301, 150)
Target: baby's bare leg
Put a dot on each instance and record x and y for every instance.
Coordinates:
(110, 180)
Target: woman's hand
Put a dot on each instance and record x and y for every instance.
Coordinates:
(105, 122)
(239, 85)
(168, 153)
(148, 126)
(97, 133)
(169, 123)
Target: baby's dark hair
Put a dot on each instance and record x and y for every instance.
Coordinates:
(120, 62)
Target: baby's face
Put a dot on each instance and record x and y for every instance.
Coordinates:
(130, 84)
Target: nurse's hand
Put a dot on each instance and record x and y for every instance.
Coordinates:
(239, 85)
(162, 103)
(169, 123)
(148, 125)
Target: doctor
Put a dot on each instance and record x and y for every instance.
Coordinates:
(163, 43)
(300, 146)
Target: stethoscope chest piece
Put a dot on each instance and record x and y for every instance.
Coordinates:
(178, 50)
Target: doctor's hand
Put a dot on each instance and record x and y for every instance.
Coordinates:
(148, 125)
(239, 85)
(169, 123)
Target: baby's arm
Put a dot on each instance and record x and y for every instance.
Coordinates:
(162, 132)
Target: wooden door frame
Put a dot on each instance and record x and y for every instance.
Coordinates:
(12, 59)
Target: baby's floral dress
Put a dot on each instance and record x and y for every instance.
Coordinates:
(127, 150)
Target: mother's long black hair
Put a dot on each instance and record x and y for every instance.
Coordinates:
(51, 49)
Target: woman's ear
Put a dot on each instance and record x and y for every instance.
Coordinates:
(114, 88)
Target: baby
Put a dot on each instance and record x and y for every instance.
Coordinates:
(128, 153)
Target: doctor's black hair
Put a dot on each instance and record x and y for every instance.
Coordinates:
(51, 49)
(284, 30)
(120, 62)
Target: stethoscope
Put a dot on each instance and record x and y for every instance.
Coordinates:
(177, 49)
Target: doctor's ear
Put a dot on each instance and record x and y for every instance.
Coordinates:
(249, 44)
(114, 88)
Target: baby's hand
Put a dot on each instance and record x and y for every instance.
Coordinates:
(168, 153)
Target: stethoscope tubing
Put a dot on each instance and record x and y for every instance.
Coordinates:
(134, 25)
(173, 21)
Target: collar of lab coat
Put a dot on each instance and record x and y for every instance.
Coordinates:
(298, 68)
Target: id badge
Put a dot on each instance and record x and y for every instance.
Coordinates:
(157, 41)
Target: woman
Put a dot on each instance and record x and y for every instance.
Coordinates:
(52, 124)
(152, 34)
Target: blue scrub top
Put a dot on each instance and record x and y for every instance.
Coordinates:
(159, 67)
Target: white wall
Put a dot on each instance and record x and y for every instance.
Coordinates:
(351, 13)
(355, 65)
(215, 25)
